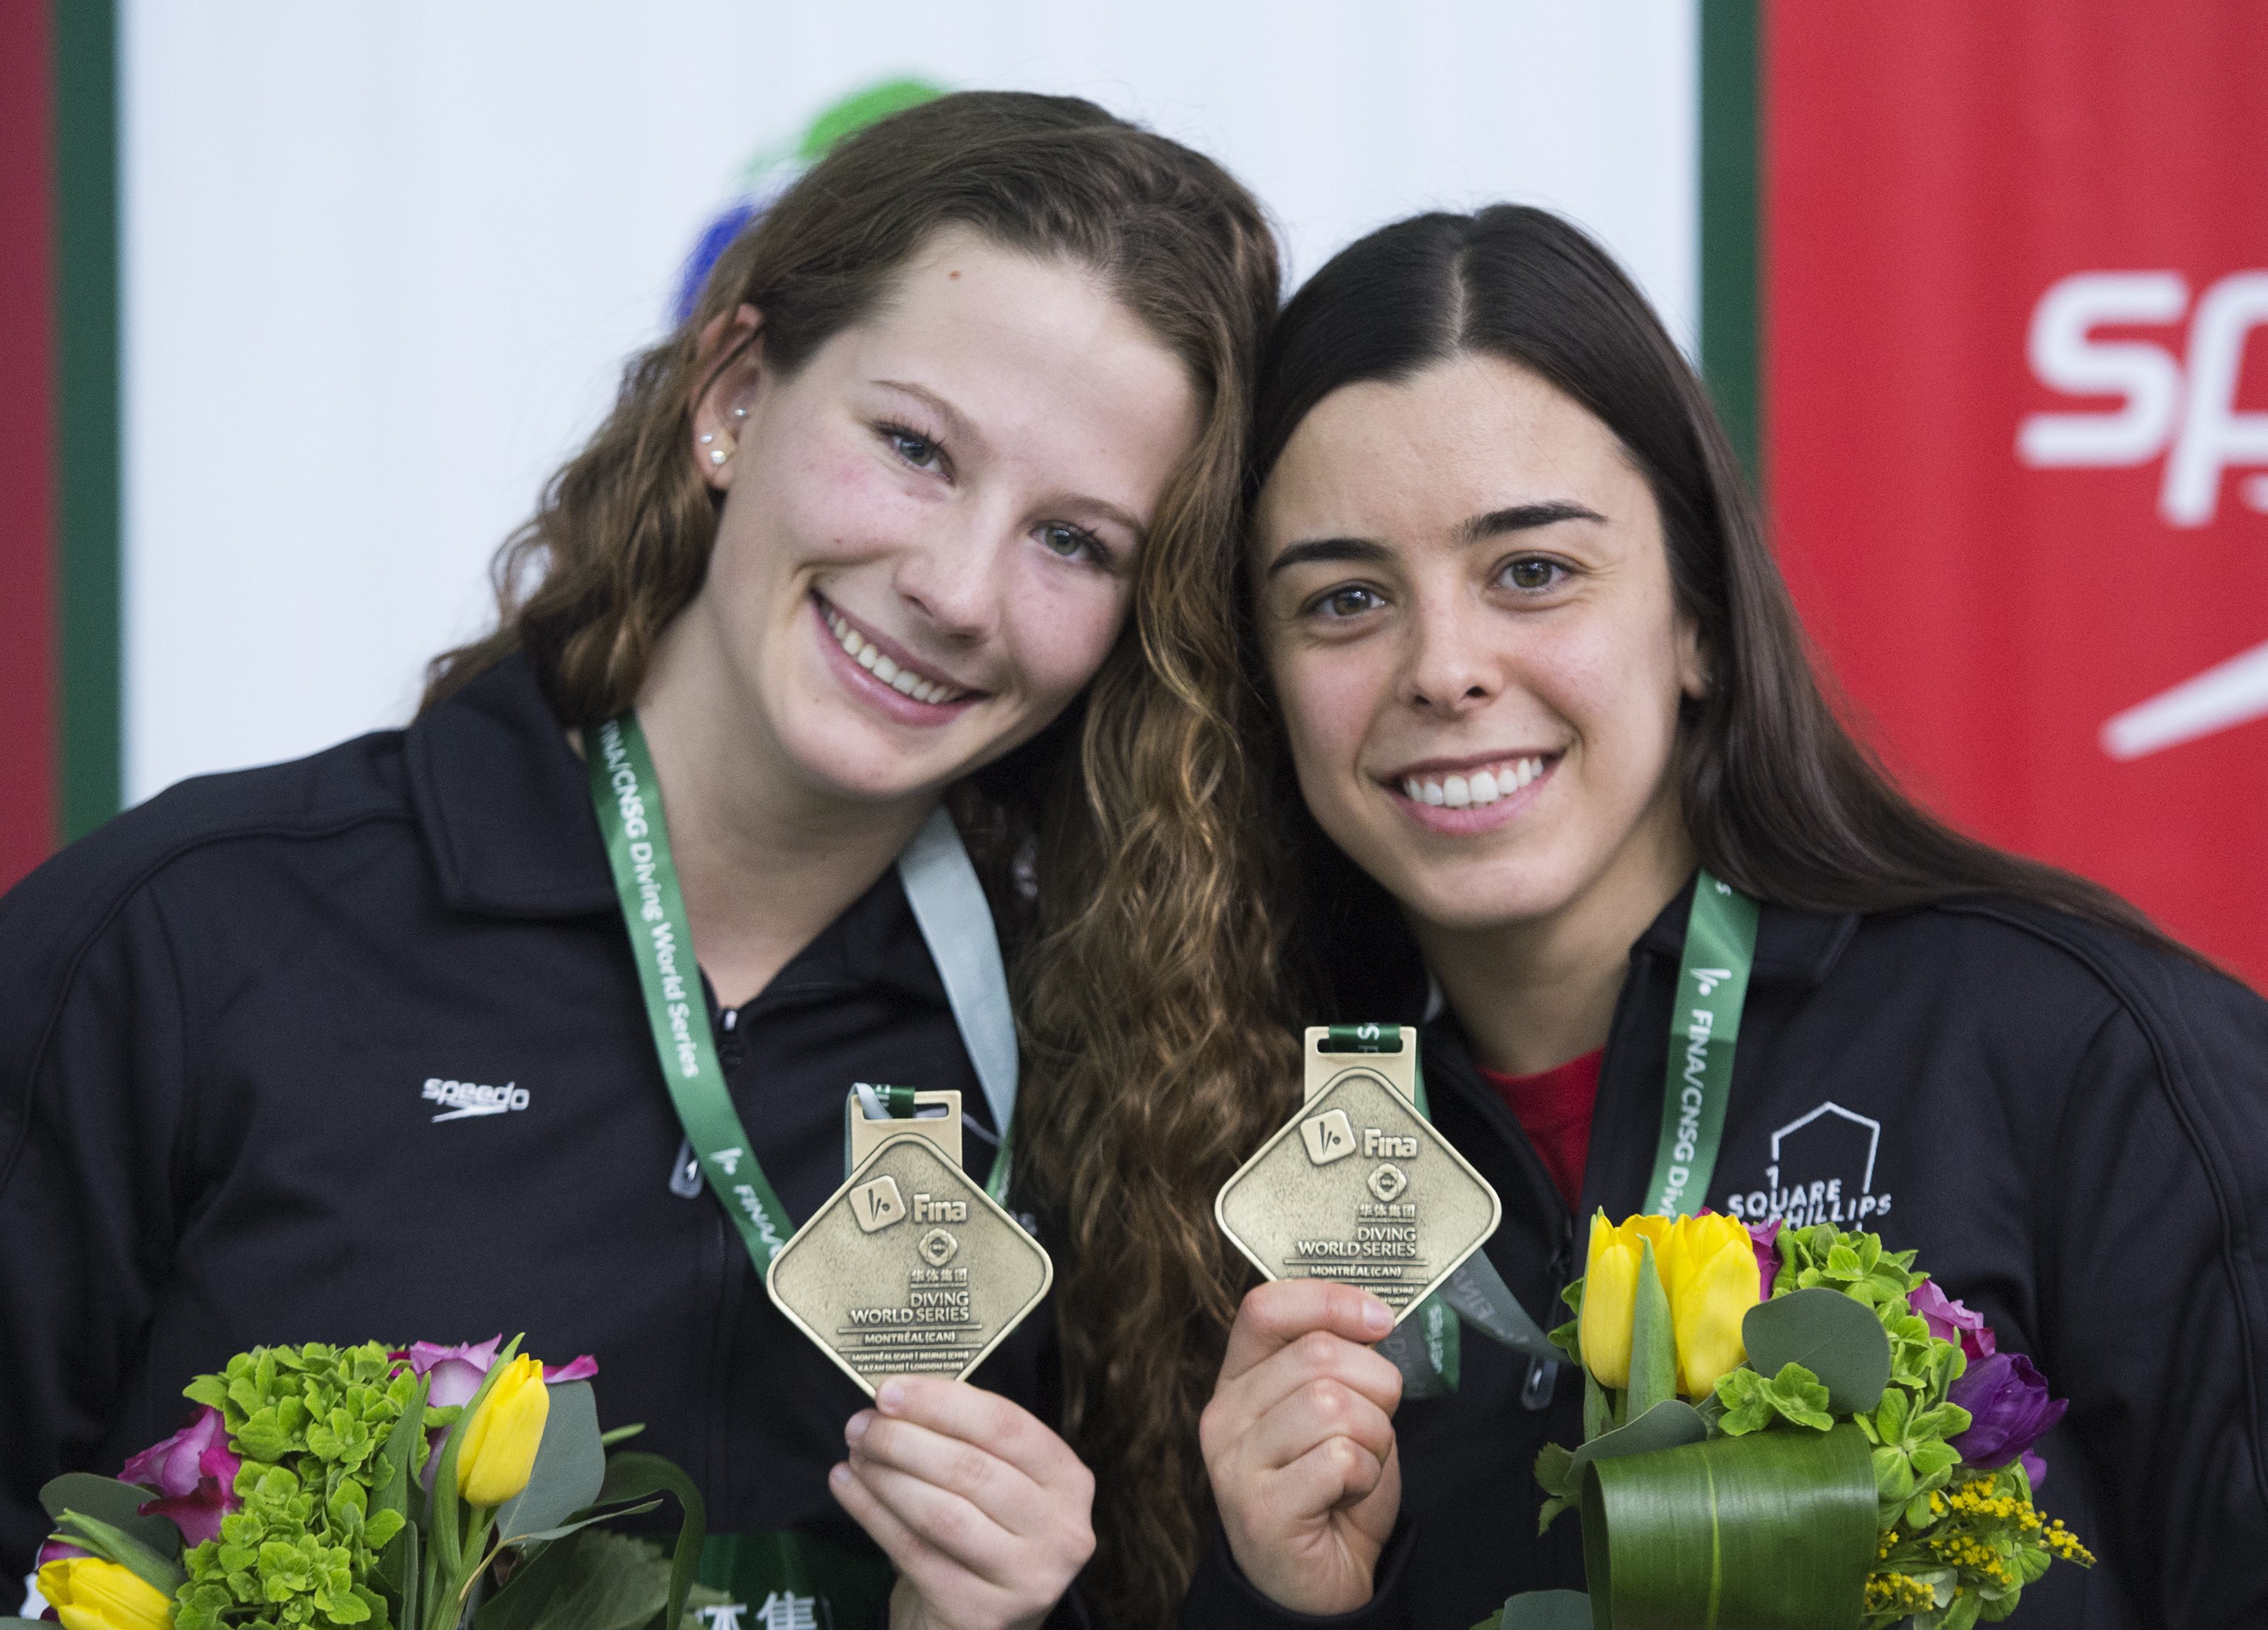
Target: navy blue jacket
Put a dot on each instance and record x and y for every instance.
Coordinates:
(2072, 1130)
(353, 1047)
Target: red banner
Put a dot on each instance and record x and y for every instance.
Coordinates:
(2016, 397)
(27, 792)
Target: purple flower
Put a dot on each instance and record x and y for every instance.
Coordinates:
(458, 1371)
(194, 1474)
(1767, 1251)
(2035, 1468)
(57, 1551)
(1949, 1321)
(2010, 1410)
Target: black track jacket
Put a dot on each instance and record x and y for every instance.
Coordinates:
(2071, 1128)
(353, 1047)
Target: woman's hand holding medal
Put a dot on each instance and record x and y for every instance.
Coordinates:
(1298, 1441)
(984, 1512)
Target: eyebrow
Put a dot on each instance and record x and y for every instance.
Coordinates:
(1523, 518)
(959, 425)
(1495, 524)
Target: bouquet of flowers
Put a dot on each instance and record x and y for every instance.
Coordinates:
(1790, 1428)
(419, 1488)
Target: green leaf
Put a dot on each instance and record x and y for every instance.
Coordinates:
(1776, 1531)
(595, 1580)
(1598, 1413)
(607, 1515)
(629, 1476)
(1547, 1610)
(1894, 1478)
(621, 1434)
(403, 1455)
(113, 1544)
(116, 1503)
(1552, 1464)
(570, 1465)
(1654, 1342)
(1741, 1393)
(1795, 1393)
(1839, 1340)
(1667, 1425)
(441, 1527)
(1547, 1515)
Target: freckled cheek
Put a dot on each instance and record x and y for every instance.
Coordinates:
(1057, 634)
(839, 506)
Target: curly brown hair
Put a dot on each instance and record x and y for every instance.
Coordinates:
(1145, 975)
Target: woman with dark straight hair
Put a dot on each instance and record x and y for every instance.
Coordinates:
(1542, 704)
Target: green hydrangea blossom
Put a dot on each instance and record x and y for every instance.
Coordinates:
(311, 1422)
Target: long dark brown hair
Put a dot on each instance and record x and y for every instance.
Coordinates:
(1146, 977)
(1780, 798)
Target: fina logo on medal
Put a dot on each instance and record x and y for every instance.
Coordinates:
(1329, 1137)
(877, 1205)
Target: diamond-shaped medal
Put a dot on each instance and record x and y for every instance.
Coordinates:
(909, 1268)
(1360, 1188)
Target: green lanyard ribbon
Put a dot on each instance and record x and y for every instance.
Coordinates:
(627, 800)
(1704, 1030)
(1712, 986)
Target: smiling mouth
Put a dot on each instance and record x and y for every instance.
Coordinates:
(1474, 788)
(902, 677)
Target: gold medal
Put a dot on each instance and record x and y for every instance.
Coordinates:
(1360, 1187)
(909, 1268)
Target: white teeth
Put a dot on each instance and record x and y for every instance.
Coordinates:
(864, 651)
(1482, 788)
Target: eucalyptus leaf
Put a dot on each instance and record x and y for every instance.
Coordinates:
(1837, 1339)
(570, 1464)
(116, 1503)
(1546, 1610)
(1776, 1531)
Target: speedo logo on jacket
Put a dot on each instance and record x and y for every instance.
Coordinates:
(460, 1099)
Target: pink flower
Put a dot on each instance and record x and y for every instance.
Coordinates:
(194, 1474)
(458, 1371)
(57, 1551)
(1767, 1255)
(1949, 1321)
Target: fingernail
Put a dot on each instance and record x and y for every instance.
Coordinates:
(892, 1398)
(856, 1426)
(839, 1475)
(1377, 1317)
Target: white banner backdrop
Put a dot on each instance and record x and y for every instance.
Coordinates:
(384, 261)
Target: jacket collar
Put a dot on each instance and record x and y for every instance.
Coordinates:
(504, 802)
(1792, 946)
(506, 806)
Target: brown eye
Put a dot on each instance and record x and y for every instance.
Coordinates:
(1532, 573)
(1350, 601)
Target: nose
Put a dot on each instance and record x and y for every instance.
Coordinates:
(954, 574)
(1453, 668)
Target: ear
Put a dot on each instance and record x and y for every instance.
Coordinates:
(731, 370)
(1694, 678)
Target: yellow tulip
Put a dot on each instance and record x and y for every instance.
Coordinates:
(1609, 1297)
(88, 1593)
(1710, 1272)
(499, 1449)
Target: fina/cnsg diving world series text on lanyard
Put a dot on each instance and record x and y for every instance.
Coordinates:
(910, 1267)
